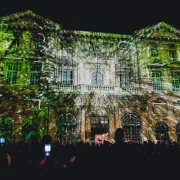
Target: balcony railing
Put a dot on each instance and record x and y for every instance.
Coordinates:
(98, 88)
(68, 87)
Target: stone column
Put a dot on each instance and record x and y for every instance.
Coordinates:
(111, 125)
(83, 124)
(52, 126)
(79, 123)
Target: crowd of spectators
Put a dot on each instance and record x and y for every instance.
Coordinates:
(129, 159)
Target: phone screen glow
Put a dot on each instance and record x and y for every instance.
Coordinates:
(47, 149)
(2, 140)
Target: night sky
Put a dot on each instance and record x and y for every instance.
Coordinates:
(122, 17)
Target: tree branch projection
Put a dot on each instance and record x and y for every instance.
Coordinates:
(109, 48)
(130, 55)
(27, 39)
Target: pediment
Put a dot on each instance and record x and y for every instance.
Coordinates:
(160, 30)
(174, 64)
(156, 63)
(28, 20)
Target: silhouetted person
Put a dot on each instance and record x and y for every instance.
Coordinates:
(120, 153)
(119, 136)
(46, 139)
(4, 162)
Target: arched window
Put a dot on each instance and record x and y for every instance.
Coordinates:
(67, 128)
(178, 132)
(97, 78)
(162, 131)
(132, 128)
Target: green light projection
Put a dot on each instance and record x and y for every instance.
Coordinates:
(135, 70)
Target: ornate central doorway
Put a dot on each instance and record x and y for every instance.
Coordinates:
(99, 125)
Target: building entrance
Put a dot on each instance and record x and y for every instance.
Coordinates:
(99, 126)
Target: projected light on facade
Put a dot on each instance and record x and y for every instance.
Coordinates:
(78, 85)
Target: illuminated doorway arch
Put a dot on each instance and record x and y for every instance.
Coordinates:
(132, 128)
(162, 131)
(66, 128)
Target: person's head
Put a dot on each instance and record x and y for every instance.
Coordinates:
(46, 139)
(106, 143)
(119, 135)
(33, 139)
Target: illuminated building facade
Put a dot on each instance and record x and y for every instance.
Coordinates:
(128, 81)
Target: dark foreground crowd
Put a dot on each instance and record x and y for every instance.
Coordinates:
(85, 161)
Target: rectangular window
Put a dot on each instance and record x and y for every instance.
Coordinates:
(97, 78)
(126, 80)
(68, 77)
(172, 54)
(175, 81)
(100, 122)
(156, 80)
(11, 76)
(35, 74)
(154, 52)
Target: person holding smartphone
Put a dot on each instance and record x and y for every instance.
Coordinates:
(5, 160)
(2, 141)
(47, 149)
(46, 164)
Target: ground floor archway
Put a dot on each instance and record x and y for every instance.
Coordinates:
(99, 127)
(66, 126)
(161, 130)
(132, 128)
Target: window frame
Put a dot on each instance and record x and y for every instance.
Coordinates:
(68, 79)
(174, 79)
(99, 122)
(171, 52)
(67, 127)
(126, 79)
(132, 127)
(98, 80)
(35, 73)
(154, 52)
(11, 75)
(162, 131)
(157, 81)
